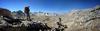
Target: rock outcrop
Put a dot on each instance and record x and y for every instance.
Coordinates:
(83, 20)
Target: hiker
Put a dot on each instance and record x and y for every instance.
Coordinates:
(60, 26)
(26, 11)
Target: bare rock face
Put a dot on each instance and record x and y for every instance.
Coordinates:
(83, 20)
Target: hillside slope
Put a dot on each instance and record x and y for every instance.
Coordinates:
(83, 20)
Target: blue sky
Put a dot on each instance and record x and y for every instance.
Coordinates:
(52, 6)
